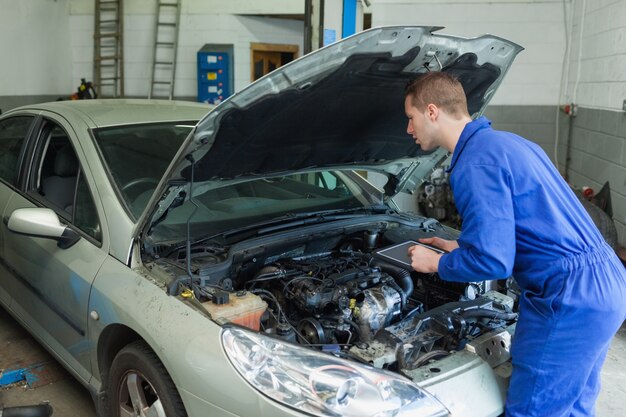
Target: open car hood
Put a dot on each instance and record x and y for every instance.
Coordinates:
(340, 107)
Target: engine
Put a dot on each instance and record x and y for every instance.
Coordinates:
(352, 304)
(333, 294)
(333, 298)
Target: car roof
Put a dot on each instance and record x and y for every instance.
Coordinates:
(110, 112)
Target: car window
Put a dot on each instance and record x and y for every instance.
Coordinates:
(59, 182)
(138, 155)
(85, 212)
(325, 179)
(215, 210)
(13, 131)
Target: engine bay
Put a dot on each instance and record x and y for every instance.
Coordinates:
(328, 292)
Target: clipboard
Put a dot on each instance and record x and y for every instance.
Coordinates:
(399, 254)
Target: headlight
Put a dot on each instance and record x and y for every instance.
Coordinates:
(321, 384)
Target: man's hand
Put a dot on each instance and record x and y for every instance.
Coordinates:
(424, 259)
(447, 245)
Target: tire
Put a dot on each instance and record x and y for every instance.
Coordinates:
(137, 366)
(603, 222)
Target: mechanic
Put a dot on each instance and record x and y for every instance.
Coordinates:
(520, 216)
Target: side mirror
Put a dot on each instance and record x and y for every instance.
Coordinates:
(42, 222)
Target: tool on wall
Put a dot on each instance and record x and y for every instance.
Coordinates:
(165, 47)
(108, 61)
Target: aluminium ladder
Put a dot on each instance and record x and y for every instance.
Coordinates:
(108, 61)
(165, 48)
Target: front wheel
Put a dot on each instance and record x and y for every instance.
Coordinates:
(139, 385)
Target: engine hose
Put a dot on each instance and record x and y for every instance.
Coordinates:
(403, 298)
(268, 269)
(402, 278)
(432, 355)
(487, 314)
(356, 328)
(267, 273)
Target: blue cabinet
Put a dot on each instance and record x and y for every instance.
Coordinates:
(215, 73)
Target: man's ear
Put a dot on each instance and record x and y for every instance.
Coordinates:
(432, 112)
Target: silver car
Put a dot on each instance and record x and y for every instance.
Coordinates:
(182, 260)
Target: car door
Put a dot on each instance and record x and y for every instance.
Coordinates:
(52, 284)
(13, 132)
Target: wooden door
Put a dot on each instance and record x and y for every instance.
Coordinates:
(267, 57)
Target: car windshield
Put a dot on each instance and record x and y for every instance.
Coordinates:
(137, 156)
(235, 206)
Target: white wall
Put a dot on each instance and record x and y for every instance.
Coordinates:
(201, 6)
(537, 25)
(47, 45)
(36, 56)
(593, 73)
(597, 83)
(195, 31)
(333, 16)
(602, 58)
(201, 22)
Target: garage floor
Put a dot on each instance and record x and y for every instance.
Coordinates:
(47, 381)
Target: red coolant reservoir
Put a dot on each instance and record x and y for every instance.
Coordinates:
(243, 308)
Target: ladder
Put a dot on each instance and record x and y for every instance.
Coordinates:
(165, 48)
(108, 57)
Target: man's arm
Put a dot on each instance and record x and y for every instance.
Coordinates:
(487, 243)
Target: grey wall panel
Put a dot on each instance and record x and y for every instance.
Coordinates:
(535, 123)
(10, 102)
(597, 146)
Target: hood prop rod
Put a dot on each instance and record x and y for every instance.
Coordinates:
(190, 158)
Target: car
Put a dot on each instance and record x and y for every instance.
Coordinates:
(185, 260)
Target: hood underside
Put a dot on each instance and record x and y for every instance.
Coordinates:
(341, 107)
(349, 112)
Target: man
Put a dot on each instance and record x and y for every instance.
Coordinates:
(521, 218)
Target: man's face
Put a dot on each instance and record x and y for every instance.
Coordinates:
(419, 126)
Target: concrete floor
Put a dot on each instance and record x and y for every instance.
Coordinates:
(53, 384)
(70, 399)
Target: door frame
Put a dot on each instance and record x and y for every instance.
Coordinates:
(270, 47)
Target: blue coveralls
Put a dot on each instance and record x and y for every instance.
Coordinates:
(520, 217)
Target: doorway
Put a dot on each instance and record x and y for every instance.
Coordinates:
(266, 57)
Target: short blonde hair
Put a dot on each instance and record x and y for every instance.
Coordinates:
(440, 89)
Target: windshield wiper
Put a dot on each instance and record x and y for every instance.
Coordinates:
(290, 220)
(286, 221)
